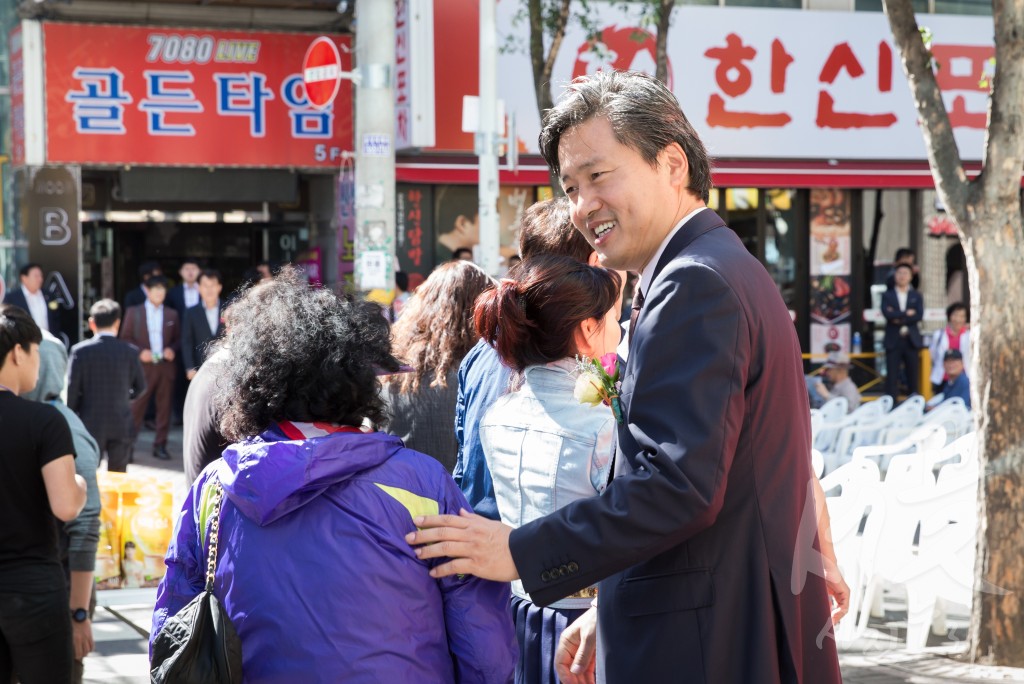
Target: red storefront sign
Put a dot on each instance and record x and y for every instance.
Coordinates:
(189, 97)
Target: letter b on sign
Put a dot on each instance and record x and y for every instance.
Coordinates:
(55, 229)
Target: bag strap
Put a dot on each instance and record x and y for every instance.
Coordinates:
(209, 516)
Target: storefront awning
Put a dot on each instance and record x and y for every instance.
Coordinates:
(727, 173)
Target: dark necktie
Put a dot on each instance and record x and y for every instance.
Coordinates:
(634, 314)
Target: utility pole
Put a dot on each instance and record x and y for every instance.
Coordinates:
(374, 145)
(486, 140)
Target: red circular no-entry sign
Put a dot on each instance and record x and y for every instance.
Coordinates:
(321, 72)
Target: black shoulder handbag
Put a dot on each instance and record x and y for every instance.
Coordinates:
(199, 645)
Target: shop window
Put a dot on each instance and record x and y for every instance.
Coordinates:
(782, 224)
(920, 6)
(782, 4)
(982, 7)
(741, 208)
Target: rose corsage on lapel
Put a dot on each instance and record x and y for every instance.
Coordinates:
(597, 382)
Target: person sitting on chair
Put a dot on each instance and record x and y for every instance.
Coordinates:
(837, 372)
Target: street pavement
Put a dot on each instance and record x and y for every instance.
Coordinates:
(122, 621)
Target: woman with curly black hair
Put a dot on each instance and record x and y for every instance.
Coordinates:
(433, 335)
(313, 570)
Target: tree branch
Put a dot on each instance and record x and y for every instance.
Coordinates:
(537, 49)
(665, 8)
(1004, 144)
(938, 133)
(557, 34)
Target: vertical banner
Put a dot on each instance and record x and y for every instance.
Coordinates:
(345, 214)
(50, 202)
(414, 228)
(830, 263)
(17, 81)
(414, 74)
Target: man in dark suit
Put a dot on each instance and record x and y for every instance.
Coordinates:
(137, 295)
(181, 298)
(903, 308)
(154, 328)
(104, 373)
(185, 294)
(202, 323)
(705, 546)
(31, 297)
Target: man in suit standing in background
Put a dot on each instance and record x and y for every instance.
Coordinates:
(104, 373)
(137, 295)
(903, 308)
(181, 298)
(201, 323)
(31, 297)
(703, 572)
(154, 328)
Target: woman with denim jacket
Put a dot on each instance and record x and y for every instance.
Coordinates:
(544, 448)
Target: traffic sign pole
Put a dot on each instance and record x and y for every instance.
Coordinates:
(374, 146)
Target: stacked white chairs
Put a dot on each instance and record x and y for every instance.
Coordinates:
(855, 488)
(832, 421)
(831, 417)
(947, 546)
(952, 414)
(918, 528)
(927, 438)
(868, 431)
(887, 548)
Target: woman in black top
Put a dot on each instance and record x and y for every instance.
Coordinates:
(37, 482)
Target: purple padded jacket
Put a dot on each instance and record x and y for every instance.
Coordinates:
(315, 573)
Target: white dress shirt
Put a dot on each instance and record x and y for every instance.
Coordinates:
(213, 317)
(37, 308)
(647, 274)
(191, 295)
(155, 326)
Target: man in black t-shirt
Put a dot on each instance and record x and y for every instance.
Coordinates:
(37, 482)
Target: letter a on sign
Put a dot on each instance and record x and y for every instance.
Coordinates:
(321, 72)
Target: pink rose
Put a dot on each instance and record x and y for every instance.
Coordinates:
(610, 363)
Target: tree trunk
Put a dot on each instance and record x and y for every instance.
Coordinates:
(544, 63)
(987, 211)
(995, 264)
(665, 8)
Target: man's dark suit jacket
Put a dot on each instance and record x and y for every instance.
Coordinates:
(104, 375)
(135, 331)
(700, 550)
(895, 318)
(196, 336)
(135, 297)
(176, 300)
(16, 297)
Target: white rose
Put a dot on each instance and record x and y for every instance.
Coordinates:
(587, 390)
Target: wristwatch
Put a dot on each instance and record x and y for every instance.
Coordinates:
(79, 615)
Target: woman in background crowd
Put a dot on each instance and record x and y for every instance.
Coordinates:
(313, 569)
(543, 447)
(433, 334)
(956, 335)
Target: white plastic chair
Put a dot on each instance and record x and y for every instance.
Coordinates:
(907, 497)
(817, 463)
(858, 484)
(869, 431)
(833, 413)
(947, 548)
(925, 438)
(953, 415)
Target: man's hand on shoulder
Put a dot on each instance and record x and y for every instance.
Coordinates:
(477, 546)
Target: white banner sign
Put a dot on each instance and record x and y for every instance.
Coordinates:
(772, 83)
